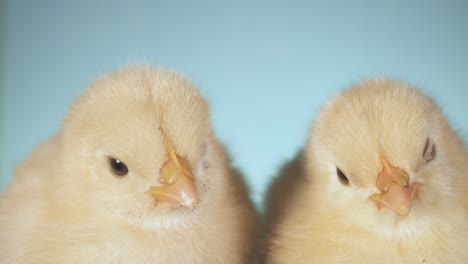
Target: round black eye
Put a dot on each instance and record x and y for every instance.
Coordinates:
(118, 167)
(342, 177)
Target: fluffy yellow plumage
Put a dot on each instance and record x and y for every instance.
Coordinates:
(384, 180)
(135, 175)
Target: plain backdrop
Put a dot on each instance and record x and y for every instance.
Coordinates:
(266, 67)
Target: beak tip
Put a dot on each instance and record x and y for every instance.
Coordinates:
(404, 210)
(190, 203)
(178, 184)
(191, 206)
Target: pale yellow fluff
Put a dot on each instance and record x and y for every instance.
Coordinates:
(65, 206)
(330, 222)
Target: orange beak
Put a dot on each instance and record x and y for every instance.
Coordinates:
(395, 191)
(178, 185)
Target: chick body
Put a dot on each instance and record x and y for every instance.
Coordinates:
(64, 205)
(333, 219)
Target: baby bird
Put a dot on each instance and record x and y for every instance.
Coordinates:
(135, 175)
(385, 181)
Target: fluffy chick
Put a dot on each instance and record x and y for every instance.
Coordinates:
(385, 182)
(135, 175)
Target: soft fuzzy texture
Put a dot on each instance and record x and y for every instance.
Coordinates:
(330, 222)
(65, 206)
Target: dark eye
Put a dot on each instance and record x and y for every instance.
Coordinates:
(118, 167)
(342, 177)
(429, 152)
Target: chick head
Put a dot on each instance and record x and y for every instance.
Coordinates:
(379, 149)
(137, 143)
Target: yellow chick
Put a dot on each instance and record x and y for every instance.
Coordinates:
(135, 175)
(385, 181)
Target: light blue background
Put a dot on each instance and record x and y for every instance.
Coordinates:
(266, 67)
